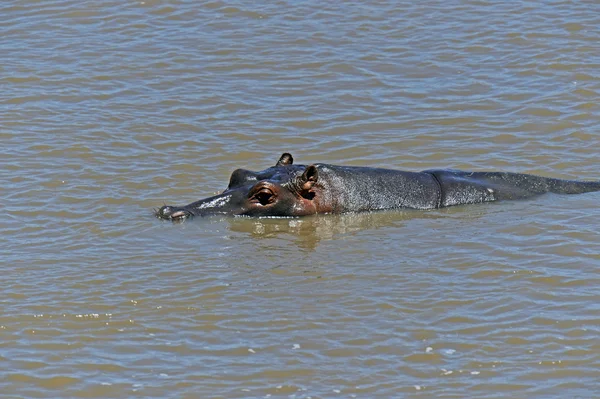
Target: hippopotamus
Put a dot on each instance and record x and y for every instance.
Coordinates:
(289, 190)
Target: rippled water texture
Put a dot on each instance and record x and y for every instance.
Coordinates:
(112, 108)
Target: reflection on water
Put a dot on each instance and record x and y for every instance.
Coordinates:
(307, 232)
(112, 108)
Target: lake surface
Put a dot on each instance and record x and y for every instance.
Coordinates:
(109, 109)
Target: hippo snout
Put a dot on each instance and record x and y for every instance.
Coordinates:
(172, 213)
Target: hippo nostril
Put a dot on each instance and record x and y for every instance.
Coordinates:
(164, 212)
(170, 213)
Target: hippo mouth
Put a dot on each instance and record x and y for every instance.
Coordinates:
(172, 213)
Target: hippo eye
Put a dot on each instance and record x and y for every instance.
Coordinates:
(264, 196)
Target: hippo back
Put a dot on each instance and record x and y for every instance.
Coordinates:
(358, 189)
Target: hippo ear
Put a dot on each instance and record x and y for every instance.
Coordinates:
(286, 159)
(309, 178)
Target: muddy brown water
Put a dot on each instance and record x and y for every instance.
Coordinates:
(109, 109)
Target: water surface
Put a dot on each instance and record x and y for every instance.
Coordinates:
(110, 109)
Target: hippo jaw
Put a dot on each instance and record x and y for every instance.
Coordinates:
(219, 204)
(172, 213)
(264, 198)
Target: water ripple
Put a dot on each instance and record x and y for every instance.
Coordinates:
(110, 109)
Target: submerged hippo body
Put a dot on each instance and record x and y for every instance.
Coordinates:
(298, 190)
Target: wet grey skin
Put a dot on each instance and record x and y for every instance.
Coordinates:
(288, 190)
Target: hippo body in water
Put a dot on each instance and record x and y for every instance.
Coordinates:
(298, 190)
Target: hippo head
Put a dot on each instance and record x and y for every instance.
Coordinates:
(281, 190)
